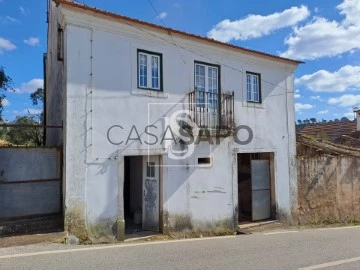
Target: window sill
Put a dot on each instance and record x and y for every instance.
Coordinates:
(252, 104)
(149, 93)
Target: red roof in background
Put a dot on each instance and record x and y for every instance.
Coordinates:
(333, 130)
(172, 31)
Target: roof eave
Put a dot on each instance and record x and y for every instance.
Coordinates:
(178, 32)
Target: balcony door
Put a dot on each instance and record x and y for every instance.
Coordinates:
(207, 94)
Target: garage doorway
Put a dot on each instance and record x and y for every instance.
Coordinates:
(141, 194)
(256, 189)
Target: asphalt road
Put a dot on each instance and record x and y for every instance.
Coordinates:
(335, 248)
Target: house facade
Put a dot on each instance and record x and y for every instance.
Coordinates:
(166, 131)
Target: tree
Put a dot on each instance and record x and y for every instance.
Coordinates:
(37, 96)
(5, 84)
(25, 135)
(313, 120)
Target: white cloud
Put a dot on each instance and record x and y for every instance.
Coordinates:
(30, 86)
(350, 115)
(323, 112)
(6, 45)
(323, 38)
(350, 9)
(32, 111)
(297, 94)
(8, 20)
(32, 41)
(347, 77)
(300, 106)
(345, 100)
(255, 26)
(23, 11)
(162, 15)
(316, 98)
(5, 102)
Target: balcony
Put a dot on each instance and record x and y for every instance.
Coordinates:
(212, 111)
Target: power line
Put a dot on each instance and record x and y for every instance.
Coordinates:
(162, 21)
(223, 64)
(156, 12)
(203, 56)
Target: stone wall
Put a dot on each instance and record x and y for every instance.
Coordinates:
(328, 186)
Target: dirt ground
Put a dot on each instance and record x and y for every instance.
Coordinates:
(30, 239)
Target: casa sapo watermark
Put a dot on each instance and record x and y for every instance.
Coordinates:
(182, 135)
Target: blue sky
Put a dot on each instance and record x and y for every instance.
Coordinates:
(324, 34)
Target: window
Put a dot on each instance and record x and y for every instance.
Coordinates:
(150, 169)
(149, 70)
(206, 85)
(204, 161)
(60, 44)
(253, 87)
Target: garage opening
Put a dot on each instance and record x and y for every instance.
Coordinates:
(256, 189)
(141, 194)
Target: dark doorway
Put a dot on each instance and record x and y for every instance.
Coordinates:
(133, 194)
(256, 191)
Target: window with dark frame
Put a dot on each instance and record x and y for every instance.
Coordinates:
(60, 44)
(207, 85)
(149, 67)
(253, 87)
(150, 169)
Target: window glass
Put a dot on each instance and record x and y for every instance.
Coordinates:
(143, 70)
(155, 71)
(206, 86)
(248, 86)
(150, 169)
(256, 88)
(253, 87)
(149, 70)
(200, 84)
(212, 87)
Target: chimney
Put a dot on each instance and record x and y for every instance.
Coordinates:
(357, 114)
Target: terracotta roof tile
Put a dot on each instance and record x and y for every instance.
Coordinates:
(173, 31)
(333, 130)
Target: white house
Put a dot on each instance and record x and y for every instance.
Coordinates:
(121, 86)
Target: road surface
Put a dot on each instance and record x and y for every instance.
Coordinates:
(333, 248)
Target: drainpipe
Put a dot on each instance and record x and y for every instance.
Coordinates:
(292, 170)
(44, 101)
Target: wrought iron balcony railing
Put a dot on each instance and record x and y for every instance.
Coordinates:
(212, 111)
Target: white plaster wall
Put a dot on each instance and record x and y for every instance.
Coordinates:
(201, 196)
(102, 91)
